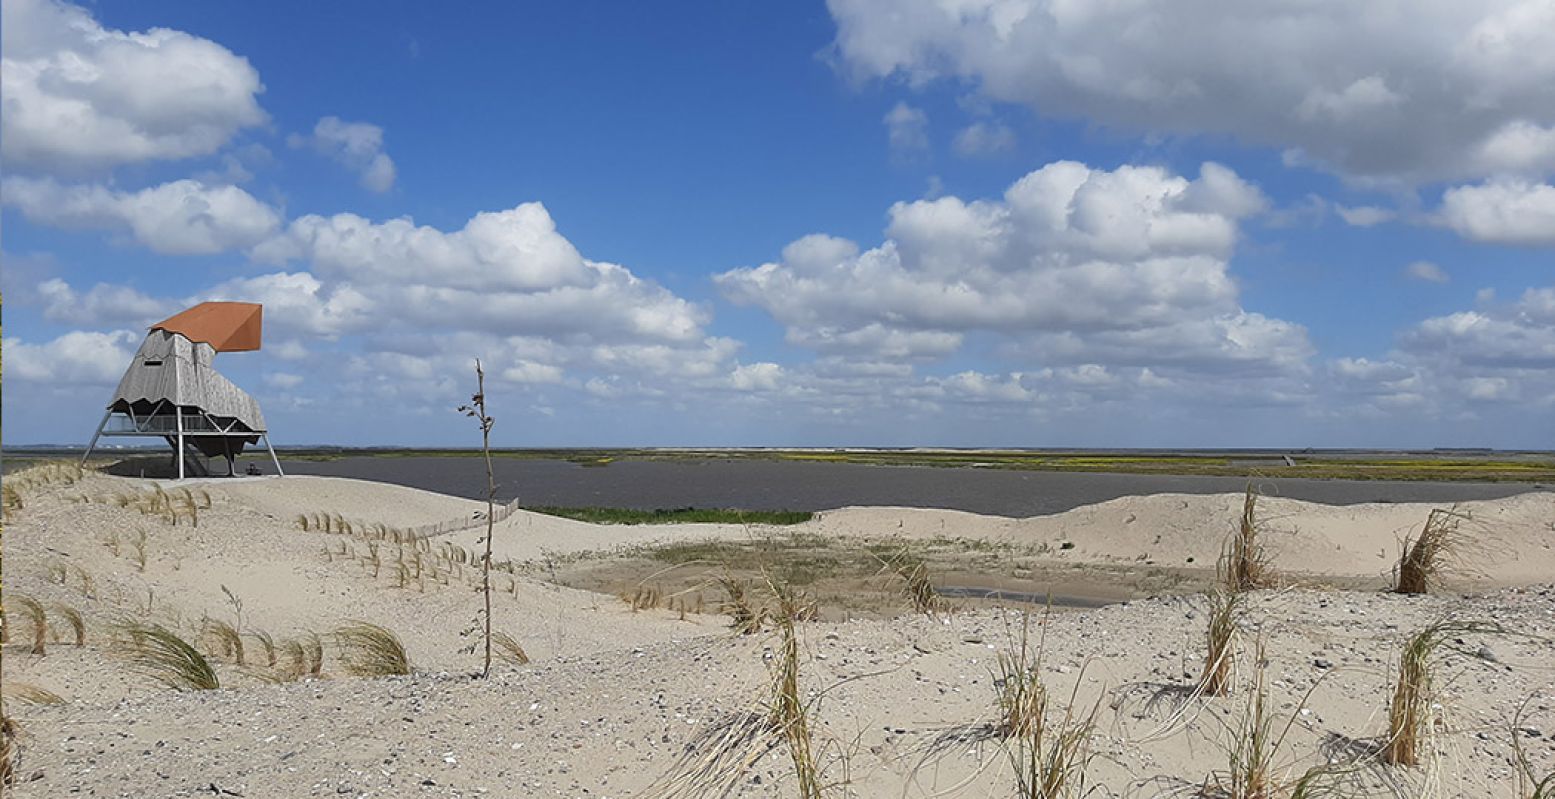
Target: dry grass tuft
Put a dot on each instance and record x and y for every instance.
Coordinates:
(1050, 760)
(88, 585)
(74, 620)
(1246, 564)
(267, 643)
(163, 656)
(228, 641)
(507, 649)
(9, 752)
(1427, 556)
(12, 499)
(368, 650)
(917, 588)
(1528, 783)
(1411, 713)
(787, 712)
(37, 619)
(1225, 610)
(305, 656)
(138, 543)
(31, 694)
(745, 616)
(1254, 746)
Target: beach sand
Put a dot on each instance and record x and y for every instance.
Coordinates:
(615, 700)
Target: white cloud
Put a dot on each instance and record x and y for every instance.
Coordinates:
(1426, 271)
(764, 376)
(522, 371)
(1072, 265)
(103, 305)
(506, 271)
(1450, 366)
(397, 300)
(1403, 92)
(78, 96)
(976, 386)
(297, 303)
(184, 217)
(77, 357)
(907, 130)
(285, 381)
(1519, 335)
(984, 138)
(356, 145)
(1502, 212)
(1365, 215)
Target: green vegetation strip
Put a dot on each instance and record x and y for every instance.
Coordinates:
(677, 515)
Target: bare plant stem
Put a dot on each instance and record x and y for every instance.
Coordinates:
(477, 410)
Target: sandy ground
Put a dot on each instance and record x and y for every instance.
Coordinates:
(615, 699)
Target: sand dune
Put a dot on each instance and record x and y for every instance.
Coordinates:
(614, 697)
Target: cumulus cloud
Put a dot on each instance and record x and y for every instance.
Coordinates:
(104, 304)
(78, 357)
(1502, 212)
(506, 271)
(1518, 335)
(79, 96)
(184, 217)
(1450, 365)
(297, 303)
(1426, 271)
(356, 145)
(1071, 265)
(1403, 93)
(507, 287)
(907, 130)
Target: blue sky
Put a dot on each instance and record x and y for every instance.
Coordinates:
(1016, 223)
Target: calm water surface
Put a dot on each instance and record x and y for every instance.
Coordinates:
(787, 485)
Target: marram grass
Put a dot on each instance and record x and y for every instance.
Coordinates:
(162, 655)
(368, 650)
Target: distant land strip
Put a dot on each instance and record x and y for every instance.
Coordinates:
(1427, 465)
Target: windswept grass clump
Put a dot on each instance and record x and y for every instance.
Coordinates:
(32, 694)
(1254, 746)
(1050, 758)
(1225, 609)
(917, 588)
(266, 642)
(304, 655)
(507, 649)
(228, 641)
(1529, 784)
(1411, 716)
(38, 621)
(1426, 556)
(788, 713)
(162, 655)
(12, 499)
(368, 650)
(1246, 564)
(74, 620)
(9, 732)
(745, 616)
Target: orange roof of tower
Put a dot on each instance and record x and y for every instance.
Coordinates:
(226, 326)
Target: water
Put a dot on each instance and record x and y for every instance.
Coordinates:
(789, 485)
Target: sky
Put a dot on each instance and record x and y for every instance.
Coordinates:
(1023, 223)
